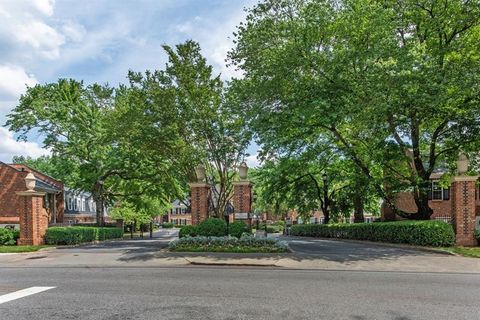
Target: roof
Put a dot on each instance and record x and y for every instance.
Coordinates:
(43, 183)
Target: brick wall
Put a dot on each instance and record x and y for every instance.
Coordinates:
(11, 181)
(405, 202)
(464, 207)
(199, 202)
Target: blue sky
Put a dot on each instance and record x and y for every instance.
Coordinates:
(99, 41)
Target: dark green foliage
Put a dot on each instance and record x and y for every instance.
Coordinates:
(237, 228)
(421, 233)
(189, 230)
(76, 235)
(212, 227)
(8, 237)
(167, 225)
(477, 235)
(271, 228)
(228, 244)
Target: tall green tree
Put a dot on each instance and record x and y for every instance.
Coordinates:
(392, 85)
(75, 123)
(189, 101)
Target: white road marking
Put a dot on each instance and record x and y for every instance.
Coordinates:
(22, 293)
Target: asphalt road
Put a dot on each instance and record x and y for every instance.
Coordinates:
(237, 293)
(134, 280)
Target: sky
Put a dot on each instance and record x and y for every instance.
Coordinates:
(99, 41)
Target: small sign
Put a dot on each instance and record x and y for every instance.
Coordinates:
(241, 215)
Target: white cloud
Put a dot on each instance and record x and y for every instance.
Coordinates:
(13, 81)
(9, 147)
(252, 161)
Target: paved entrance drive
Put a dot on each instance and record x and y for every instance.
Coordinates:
(307, 253)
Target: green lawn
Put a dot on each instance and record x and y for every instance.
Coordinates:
(17, 249)
(473, 252)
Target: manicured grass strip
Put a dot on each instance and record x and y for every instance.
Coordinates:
(472, 252)
(17, 249)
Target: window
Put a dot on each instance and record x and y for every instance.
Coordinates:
(70, 204)
(436, 191)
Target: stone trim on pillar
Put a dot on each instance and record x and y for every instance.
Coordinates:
(463, 209)
(33, 218)
(242, 200)
(200, 193)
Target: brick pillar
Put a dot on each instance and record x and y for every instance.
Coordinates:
(242, 200)
(199, 201)
(463, 210)
(33, 218)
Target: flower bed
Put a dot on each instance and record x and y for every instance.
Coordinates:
(228, 244)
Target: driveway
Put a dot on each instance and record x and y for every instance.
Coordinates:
(308, 253)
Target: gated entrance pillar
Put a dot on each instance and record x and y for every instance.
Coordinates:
(199, 201)
(200, 193)
(242, 196)
(463, 204)
(33, 215)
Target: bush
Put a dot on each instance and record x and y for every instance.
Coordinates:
(8, 237)
(76, 235)
(188, 231)
(227, 244)
(421, 233)
(272, 228)
(237, 228)
(212, 227)
(477, 235)
(167, 225)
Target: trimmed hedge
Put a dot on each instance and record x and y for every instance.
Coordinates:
(212, 227)
(227, 244)
(188, 231)
(167, 225)
(76, 235)
(237, 228)
(420, 233)
(8, 237)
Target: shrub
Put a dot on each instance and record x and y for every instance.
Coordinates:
(212, 227)
(188, 231)
(227, 244)
(8, 237)
(76, 235)
(237, 228)
(272, 228)
(421, 233)
(477, 235)
(167, 225)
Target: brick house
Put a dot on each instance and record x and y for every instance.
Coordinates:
(12, 180)
(179, 214)
(440, 200)
(79, 207)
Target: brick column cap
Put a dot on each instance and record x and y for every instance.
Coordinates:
(198, 184)
(464, 178)
(31, 193)
(242, 183)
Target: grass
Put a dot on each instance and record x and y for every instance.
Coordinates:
(472, 252)
(17, 249)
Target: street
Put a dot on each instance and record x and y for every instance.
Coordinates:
(138, 279)
(238, 293)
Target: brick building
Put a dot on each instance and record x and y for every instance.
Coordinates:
(12, 180)
(179, 214)
(440, 200)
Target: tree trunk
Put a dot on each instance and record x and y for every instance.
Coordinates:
(424, 211)
(358, 209)
(99, 212)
